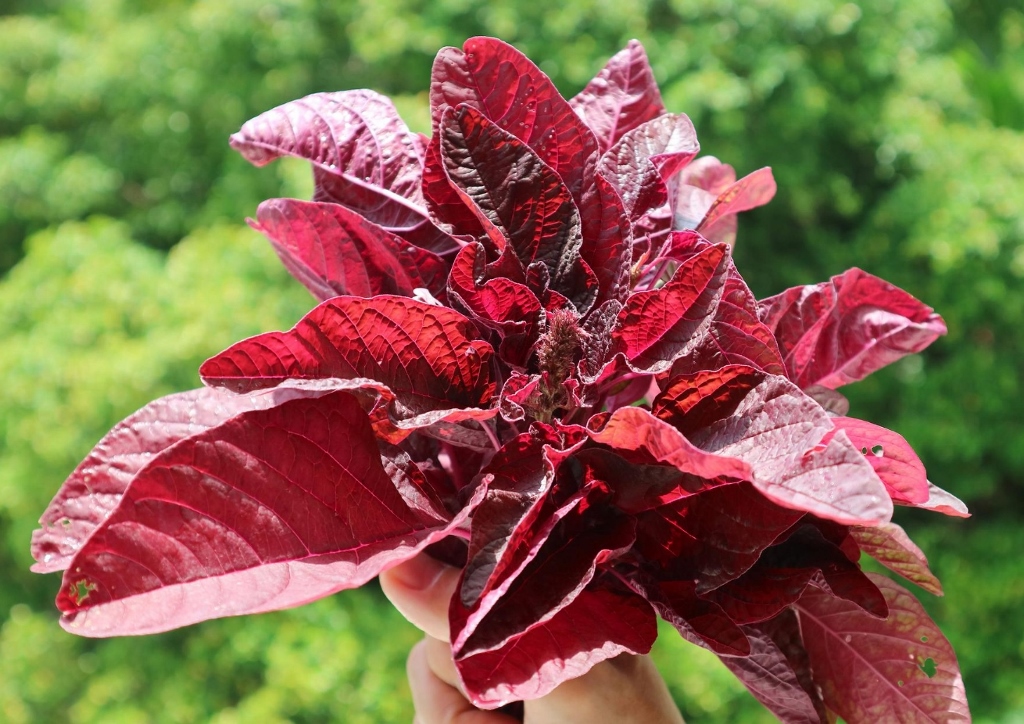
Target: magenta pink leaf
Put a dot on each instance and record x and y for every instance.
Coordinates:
(96, 486)
(503, 84)
(656, 328)
(333, 250)
(779, 431)
(645, 158)
(891, 456)
(603, 621)
(898, 669)
(369, 159)
(891, 546)
(944, 502)
(753, 190)
(777, 671)
(427, 356)
(271, 509)
(621, 97)
(840, 331)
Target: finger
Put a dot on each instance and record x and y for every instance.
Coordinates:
(437, 702)
(625, 689)
(420, 589)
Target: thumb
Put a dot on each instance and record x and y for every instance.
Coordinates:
(421, 588)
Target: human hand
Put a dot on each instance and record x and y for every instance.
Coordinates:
(625, 690)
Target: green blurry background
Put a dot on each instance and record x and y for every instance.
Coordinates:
(896, 132)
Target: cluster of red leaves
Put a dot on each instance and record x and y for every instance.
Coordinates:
(534, 356)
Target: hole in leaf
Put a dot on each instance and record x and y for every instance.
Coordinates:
(877, 451)
(81, 590)
(66, 522)
(899, 683)
(929, 667)
(924, 639)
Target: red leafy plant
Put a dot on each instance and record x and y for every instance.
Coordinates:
(534, 359)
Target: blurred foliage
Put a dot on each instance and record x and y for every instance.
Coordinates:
(895, 129)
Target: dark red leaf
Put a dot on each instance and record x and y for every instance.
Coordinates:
(891, 546)
(621, 97)
(784, 570)
(898, 669)
(448, 209)
(840, 331)
(777, 671)
(505, 85)
(891, 456)
(518, 199)
(333, 250)
(607, 239)
(603, 621)
(427, 357)
(271, 509)
(700, 622)
(657, 327)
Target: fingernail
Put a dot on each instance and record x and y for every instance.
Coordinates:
(418, 573)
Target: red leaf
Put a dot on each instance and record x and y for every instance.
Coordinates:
(891, 546)
(656, 328)
(370, 160)
(501, 304)
(635, 429)
(607, 240)
(777, 671)
(517, 198)
(271, 509)
(891, 456)
(503, 84)
(426, 356)
(899, 669)
(333, 250)
(840, 331)
(602, 622)
(621, 97)
(96, 486)
(449, 210)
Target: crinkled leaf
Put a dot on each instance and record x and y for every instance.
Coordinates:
(506, 86)
(621, 97)
(447, 208)
(518, 199)
(657, 327)
(271, 509)
(777, 671)
(891, 456)
(891, 546)
(607, 239)
(427, 356)
(500, 303)
(898, 669)
(603, 621)
(840, 331)
(333, 250)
